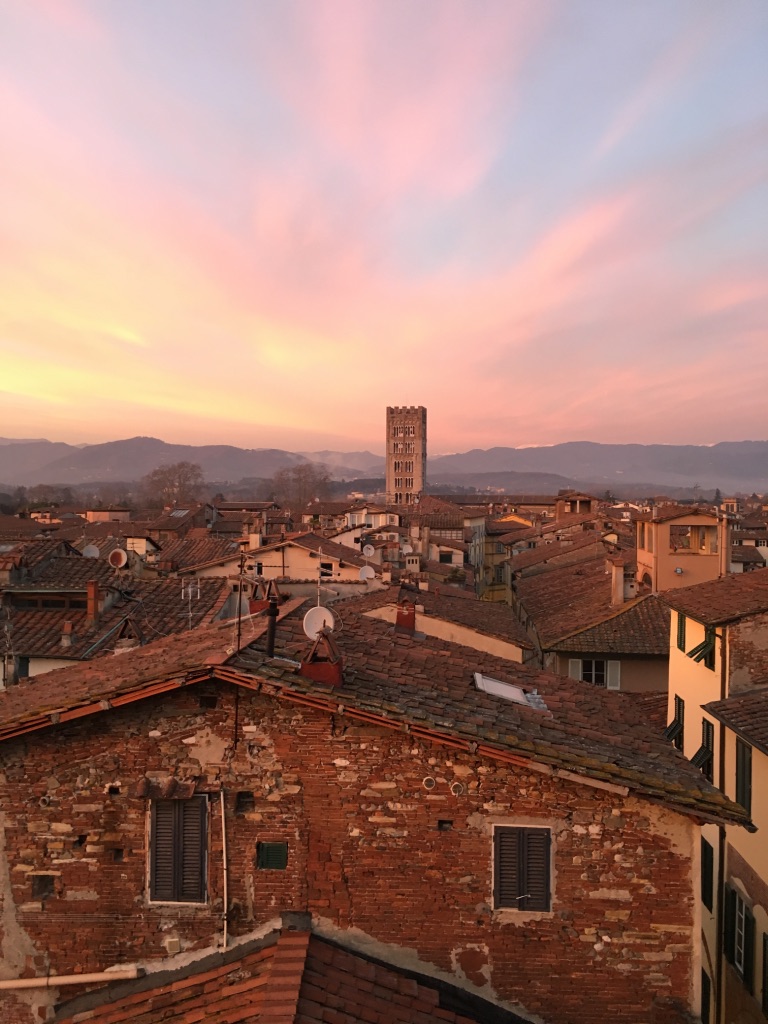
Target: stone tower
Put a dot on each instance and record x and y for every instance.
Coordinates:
(406, 453)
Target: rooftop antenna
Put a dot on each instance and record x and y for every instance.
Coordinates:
(91, 551)
(190, 588)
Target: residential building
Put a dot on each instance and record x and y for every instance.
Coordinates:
(718, 708)
(512, 834)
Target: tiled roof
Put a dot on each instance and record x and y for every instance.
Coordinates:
(487, 617)
(311, 542)
(68, 573)
(743, 554)
(428, 685)
(287, 977)
(746, 714)
(558, 552)
(189, 553)
(723, 600)
(662, 513)
(12, 528)
(640, 627)
(33, 553)
(566, 599)
(653, 708)
(424, 686)
(155, 609)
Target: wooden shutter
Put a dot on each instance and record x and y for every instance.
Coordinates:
(177, 850)
(162, 872)
(707, 873)
(521, 869)
(729, 924)
(680, 631)
(537, 846)
(765, 975)
(613, 677)
(749, 951)
(506, 868)
(744, 774)
(574, 668)
(192, 860)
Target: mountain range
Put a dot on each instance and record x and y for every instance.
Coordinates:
(730, 465)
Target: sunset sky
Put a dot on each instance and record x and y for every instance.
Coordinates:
(259, 223)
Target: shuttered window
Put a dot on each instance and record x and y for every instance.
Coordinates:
(177, 850)
(739, 937)
(707, 873)
(744, 775)
(680, 631)
(522, 868)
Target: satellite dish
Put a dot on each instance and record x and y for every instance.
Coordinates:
(91, 551)
(407, 549)
(369, 551)
(366, 573)
(118, 559)
(317, 619)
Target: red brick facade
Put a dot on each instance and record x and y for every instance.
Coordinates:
(365, 853)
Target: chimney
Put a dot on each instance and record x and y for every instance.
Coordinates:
(616, 568)
(425, 541)
(271, 623)
(92, 614)
(324, 663)
(67, 633)
(406, 618)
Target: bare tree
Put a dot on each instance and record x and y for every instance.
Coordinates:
(297, 485)
(175, 484)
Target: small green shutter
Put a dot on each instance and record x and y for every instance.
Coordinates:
(729, 924)
(749, 951)
(680, 631)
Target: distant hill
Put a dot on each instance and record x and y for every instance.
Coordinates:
(730, 465)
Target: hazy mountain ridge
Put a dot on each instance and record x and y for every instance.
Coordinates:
(729, 465)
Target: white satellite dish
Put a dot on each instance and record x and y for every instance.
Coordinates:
(407, 549)
(317, 619)
(369, 551)
(91, 551)
(366, 573)
(118, 559)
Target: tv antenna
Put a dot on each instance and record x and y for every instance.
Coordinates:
(91, 551)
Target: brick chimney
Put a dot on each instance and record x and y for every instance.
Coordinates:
(406, 618)
(92, 614)
(67, 633)
(616, 568)
(324, 662)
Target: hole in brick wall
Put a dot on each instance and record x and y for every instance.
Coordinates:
(42, 886)
(273, 856)
(118, 854)
(245, 801)
(114, 790)
(80, 841)
(444, 825)
(208, 700)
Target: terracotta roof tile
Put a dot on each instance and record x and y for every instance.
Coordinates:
(640, 627)
(746, 714)
(723, 600)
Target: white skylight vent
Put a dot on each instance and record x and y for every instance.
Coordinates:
(509, 691)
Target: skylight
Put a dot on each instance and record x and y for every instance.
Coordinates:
(509, 691)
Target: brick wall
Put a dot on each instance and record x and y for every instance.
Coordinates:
(748, 653)
(365, 853)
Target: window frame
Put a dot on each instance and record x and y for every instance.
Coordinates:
(522, 860)
(167, 843)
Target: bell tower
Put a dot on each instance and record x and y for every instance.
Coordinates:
(406, 453)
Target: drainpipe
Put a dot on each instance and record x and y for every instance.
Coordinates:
(56, 980)
(224, 862)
